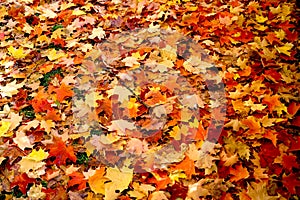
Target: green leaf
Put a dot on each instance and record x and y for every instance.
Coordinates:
(56, 26)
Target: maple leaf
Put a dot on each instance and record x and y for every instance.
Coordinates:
(289, 162)
(22, 182)
(4, 129)
(63, 91)
(38, 155)
(40, 104)
(271, 101)
(77, 178)
(239, 173)
(53, 55)
(22, 140)
(97, 32)
(252, 124)
(233, 146)
(285, 49)
(120, 180)
(258, 191)
(291, 182)
(133, 107)
(97, 181)
(35, 192)
(293, 108)
(10, 89)
(53, 115)
(61, 152)
(187, 166)
(160, 179)
(16, 53)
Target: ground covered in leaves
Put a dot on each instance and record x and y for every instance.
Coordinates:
(90, 113)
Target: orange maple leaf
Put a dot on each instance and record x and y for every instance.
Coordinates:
(22, 181)
(187, 165)
(293, 108)
(238, 173)
(271, 101)
(270, 134)
(252, 124)
(52, 115)
(161, 180)
(201, 133)
(133, 107)
(63, 91)
(77, 178)
(61, 152)
(40, 104)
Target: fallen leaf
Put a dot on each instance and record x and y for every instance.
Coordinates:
(239, 173)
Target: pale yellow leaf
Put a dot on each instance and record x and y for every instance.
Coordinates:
(10, 89)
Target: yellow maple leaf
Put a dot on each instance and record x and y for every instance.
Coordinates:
(261, 19)
(38, 155)
(78, 12)
(16, 53)
(97, 181)
(4, 129)
(120, 180)
(53, 55)
(285, 49)
(175, 133)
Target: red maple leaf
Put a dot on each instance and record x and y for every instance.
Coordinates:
(289, 162)
(61, 152)
(77, 179)
(22, 181)
(291, 182)
(267, 154)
